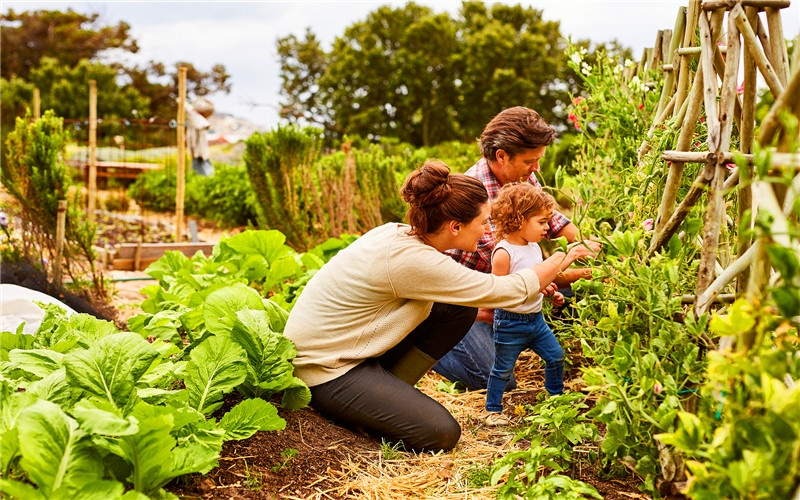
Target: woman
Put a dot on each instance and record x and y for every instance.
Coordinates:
(376, 317)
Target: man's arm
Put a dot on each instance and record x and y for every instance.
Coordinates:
(570, 232)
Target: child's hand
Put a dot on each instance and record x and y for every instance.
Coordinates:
(558, 299)
(550, 290)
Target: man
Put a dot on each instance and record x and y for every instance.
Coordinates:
(512, 144)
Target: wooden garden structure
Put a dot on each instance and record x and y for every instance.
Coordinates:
(714, 42)
(733, 39)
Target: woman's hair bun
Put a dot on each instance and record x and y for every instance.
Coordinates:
(428, 185)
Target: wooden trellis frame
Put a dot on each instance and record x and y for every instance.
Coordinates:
(712, 87)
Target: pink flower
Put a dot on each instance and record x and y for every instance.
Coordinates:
(577, 100)
(572, 118)
(647, 225)
(702, 119)
(577, 127)
(740, 89)
(658, 388)
(730, 166)
(641, 106)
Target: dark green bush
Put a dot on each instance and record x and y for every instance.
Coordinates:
(225, 197)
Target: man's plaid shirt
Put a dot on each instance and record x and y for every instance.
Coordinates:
(481, 260)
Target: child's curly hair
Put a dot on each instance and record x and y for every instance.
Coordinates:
(515, 204)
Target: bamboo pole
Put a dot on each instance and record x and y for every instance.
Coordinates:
(61, 226)
(92, 149)
(715, 207)
(37, 104)
(738, 266)
(780, 57)
(757, 51)
(179, 192)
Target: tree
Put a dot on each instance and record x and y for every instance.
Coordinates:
(303, 62)
(509, 56)
(425, 78)
(69, 37)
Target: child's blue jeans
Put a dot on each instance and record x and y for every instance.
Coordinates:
(513, 333)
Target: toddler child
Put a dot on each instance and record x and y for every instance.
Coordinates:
(520, 214)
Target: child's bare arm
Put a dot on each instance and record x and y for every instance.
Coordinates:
(501, 262)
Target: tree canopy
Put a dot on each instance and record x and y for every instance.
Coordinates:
(422, 77)
(59, 52)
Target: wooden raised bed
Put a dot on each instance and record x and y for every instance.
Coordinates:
(137, 256)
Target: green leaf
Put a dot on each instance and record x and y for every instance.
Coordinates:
(18, 489)
(784, 260)
(268, 244)
(56, 453)
(220, 308)
(249, 416)
(100, 418)
(111, 367)
(740, 319)
(216, 367)
(37, 362)
(53, 388)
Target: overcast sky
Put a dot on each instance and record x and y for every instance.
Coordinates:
(242, 35)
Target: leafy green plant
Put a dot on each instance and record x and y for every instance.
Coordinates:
(90, 411)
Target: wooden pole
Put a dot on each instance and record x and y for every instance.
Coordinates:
(92, 149)
(37, 104)
(692, 15)
(757, 51)
(179, 194)
(746, 134)
(709, 83)
(720, 4)
(669, 78)
(675, 173)
(780, 58)
(61, 225)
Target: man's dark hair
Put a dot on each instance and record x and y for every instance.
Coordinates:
(515, 130)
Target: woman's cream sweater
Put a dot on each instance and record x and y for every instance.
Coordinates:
(373, 293)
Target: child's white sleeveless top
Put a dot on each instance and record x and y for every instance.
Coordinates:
(522, 257)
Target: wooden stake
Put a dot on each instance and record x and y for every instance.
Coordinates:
(692, 15)
(37, 104)
(669, 78)
(780, 58)
(720, 4)
(92, 150)
(179, 192)
(61, 225)
(709, 84)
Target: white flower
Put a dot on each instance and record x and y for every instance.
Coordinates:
(628, 63)
(576, 58)
(586, 69)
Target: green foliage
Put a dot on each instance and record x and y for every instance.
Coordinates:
(422, 77)
(556, 425)
(34, 173)
(311, 198)
(745, 438)
(225, 197)
(88, 411)
(155, 190)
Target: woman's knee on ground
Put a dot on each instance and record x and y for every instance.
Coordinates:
(440, 435)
